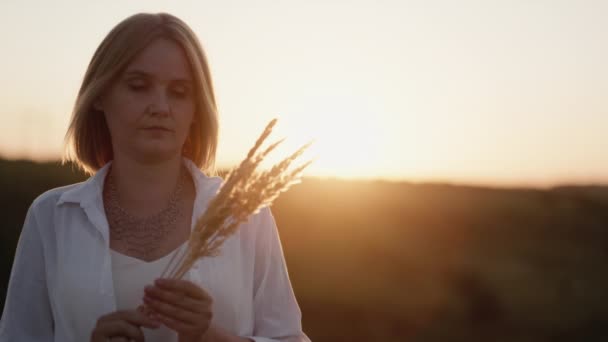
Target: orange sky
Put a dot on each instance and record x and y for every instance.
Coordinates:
(491, 92)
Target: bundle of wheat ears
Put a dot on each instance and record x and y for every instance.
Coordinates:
(243, 192)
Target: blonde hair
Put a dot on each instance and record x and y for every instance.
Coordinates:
(87, 139)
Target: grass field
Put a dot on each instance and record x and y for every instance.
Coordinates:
(383, 261)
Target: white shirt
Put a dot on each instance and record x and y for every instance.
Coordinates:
(61, 280)
(130, 275)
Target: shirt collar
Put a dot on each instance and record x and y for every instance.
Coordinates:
(91, 190)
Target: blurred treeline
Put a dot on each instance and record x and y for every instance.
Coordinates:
(382, 261)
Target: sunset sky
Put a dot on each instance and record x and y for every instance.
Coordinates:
(487, 92)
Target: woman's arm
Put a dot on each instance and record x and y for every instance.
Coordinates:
(27, 312)
(277, 314)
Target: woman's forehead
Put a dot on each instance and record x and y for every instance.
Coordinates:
(163, 59)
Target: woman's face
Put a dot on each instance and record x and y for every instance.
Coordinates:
(150, 107)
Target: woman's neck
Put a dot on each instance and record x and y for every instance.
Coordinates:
(145, 188)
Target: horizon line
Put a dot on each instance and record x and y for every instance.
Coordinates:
(415, 180)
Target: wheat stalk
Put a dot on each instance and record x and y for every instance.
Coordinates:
(243, 193)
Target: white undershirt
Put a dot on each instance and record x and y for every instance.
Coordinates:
(130, 276)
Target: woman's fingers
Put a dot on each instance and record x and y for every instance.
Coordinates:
(173, 311)
(180, 305)
(178, 299)
(133, 317)
(183, 286)
(118, 328)
(122, 325)
(173, 323)
(119, 339)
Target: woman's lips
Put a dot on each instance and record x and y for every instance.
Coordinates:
(160, 129)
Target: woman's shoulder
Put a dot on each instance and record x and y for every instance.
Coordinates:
(51, 197)
(259, 225)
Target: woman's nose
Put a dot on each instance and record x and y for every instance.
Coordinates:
(160, 104)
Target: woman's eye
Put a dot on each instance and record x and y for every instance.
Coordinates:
(138, 86)
(180, 91)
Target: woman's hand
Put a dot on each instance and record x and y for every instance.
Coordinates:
(121, 326)
(182, 306)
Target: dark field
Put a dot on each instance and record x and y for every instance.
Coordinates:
(380, 261)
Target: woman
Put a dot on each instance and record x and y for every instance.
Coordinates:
(144, 125)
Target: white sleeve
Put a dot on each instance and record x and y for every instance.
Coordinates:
(277, 314)
(27, 313)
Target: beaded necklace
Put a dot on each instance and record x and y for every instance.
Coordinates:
(142, 236)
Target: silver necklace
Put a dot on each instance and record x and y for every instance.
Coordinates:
(141, 235)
